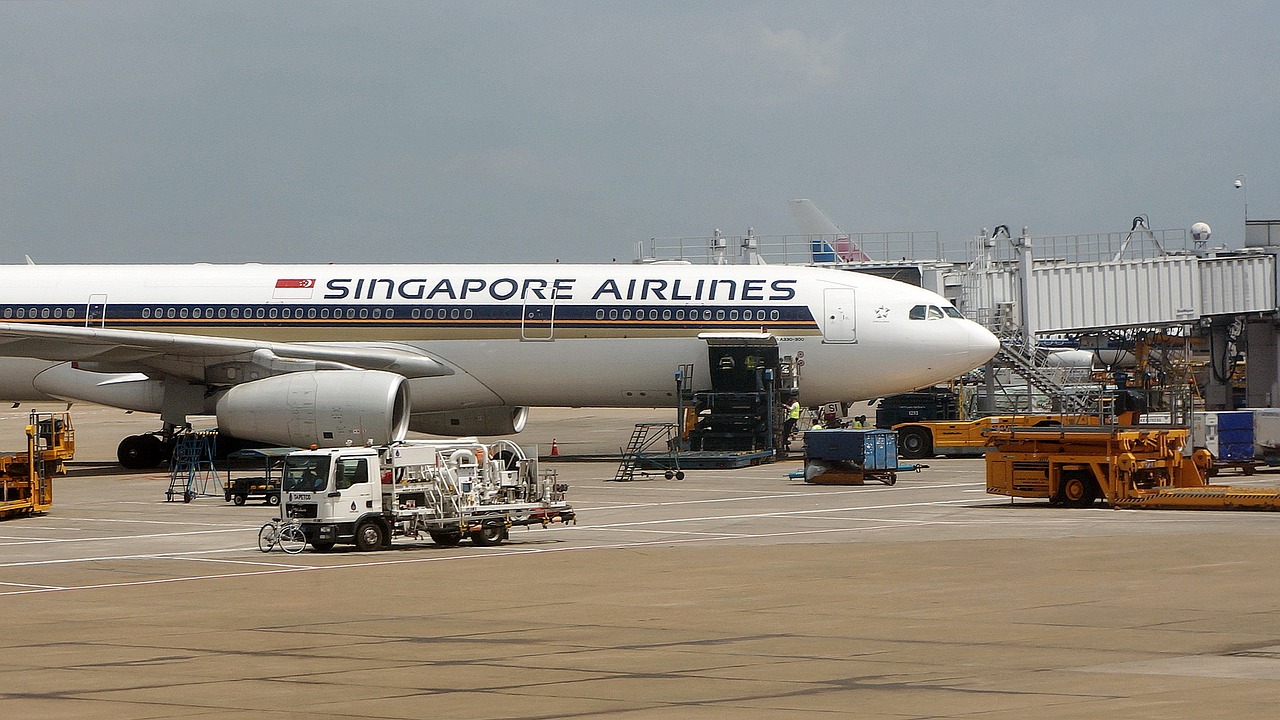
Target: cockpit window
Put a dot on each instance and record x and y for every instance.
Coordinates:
(918, 312)
(952, 312)
(935, 312)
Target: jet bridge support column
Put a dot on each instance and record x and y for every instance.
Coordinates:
(1217, 389)
(1262, 385)
(1026, 295)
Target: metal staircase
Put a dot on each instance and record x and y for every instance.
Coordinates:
(643, 437)
(192, 466)
(1072, 389)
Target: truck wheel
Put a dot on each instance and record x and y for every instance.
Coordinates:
(915, 443)
(239, 499)
(488, 535)
(369, 536)
(273, 498)
(446, 538)
(1077, 490)
(323, 545)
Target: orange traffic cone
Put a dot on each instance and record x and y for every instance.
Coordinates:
(555, 449)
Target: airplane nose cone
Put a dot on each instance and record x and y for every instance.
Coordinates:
(983, 345)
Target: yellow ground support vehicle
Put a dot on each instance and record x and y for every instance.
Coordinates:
(1131, 467)
(967, 437)
(26, 484)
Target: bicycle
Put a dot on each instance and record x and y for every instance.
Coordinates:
(288, 535)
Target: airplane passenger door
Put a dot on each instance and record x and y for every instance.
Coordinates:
(538, 317)
(838, 324)
(95, 313)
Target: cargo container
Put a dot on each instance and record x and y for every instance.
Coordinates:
(850, 456)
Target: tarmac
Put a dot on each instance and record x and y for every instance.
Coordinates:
(731, 594)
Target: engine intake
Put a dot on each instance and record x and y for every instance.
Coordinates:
(327, 408)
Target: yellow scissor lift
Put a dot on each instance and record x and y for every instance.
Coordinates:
(26, 478)
(1129, 466)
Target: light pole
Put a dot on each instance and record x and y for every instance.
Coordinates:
(1240, 185)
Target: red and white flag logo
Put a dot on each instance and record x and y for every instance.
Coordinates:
(296, 283)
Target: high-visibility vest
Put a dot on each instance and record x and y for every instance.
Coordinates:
(794, 412)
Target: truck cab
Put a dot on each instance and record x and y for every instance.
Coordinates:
(334, 492)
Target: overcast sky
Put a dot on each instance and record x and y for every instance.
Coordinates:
(536, 131)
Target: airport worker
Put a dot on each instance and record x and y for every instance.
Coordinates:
(860, 421)
(789, 427)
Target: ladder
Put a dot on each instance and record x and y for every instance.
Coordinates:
(642, 437)
(192, 467)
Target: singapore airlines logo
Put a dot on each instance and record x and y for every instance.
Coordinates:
(294, 288)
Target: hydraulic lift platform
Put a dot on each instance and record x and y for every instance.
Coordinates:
(1135, 467)
(706, 459)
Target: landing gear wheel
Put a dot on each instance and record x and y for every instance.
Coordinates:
(140, 452)
(679, 474)
(488, 535)
(369, 536)
(239, 499)
(915, 443)
(1077, 491)
(445, 538)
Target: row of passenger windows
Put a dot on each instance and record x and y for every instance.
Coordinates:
(933, 312)
(680, 314)
(272, 313)
(43, 313)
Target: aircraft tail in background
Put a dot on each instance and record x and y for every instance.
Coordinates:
(813, 221)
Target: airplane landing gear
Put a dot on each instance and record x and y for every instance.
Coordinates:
(142, 452)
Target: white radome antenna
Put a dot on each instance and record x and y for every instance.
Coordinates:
(1200, 232)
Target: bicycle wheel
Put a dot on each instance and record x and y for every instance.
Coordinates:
(292, 539)
(268, 536)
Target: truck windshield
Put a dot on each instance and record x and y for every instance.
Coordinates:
(306, 473)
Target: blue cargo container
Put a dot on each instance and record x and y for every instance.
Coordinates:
(1235, 436)
(870, 449)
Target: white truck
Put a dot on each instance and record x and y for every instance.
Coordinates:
(447, 489)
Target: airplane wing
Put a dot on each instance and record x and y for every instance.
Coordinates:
(190, 356)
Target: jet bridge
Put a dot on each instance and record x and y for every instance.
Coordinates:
(1026, 287)
(1023, 287)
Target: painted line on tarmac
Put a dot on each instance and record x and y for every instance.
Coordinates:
(256, 563)
(788, 513)
(145, 522)
(29, 585)
(778, 496)
(134, 556)
(58, 541)
(721, 535)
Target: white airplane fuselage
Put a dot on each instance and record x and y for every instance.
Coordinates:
(511, 335)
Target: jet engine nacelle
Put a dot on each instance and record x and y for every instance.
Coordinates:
(326, 408)
(497, 420)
